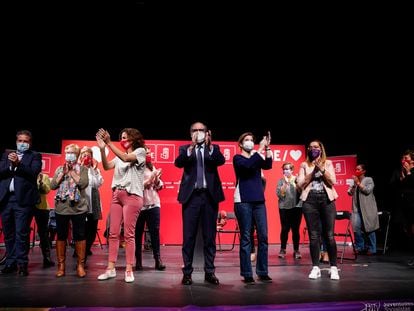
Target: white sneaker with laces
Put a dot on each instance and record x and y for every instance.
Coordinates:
(109, 273)
(315, 273)
(129, 276)
(334, 273)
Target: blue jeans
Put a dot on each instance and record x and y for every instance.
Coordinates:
(246, 214)
(360, 236)
(320, 214)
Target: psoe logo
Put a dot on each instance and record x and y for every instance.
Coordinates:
(372, 307)
(165, 153)
(228, 152)
(339, 165)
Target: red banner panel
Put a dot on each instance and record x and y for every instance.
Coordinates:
(164, 152)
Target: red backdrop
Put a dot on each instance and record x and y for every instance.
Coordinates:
(163, 154)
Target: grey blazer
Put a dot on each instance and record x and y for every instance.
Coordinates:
(367, 202)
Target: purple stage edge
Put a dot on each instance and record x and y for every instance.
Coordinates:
(379, 305)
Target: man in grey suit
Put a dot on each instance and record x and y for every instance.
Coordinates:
(200, 193)
(18, 196)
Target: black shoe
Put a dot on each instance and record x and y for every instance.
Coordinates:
(265, 278)
(187, 279)
(89, 252)
(9, 269)
(138, 268)
(23, 270)
(360, 252)
(211, 278)
(159, 265)
(411, 262)
(249, 280)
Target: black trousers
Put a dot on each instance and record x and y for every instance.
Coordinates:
(200, 208)
(152, 218)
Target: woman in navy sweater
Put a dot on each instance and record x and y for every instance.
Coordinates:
(249, 203)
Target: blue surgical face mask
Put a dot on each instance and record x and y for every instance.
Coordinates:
(22, 147)
(70, 157)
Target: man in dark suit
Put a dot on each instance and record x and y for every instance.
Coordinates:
(18, 196)
(200, 193)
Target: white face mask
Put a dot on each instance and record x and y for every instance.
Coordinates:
(248, 145)
(70, 157)
(200, 137)
(287, 172)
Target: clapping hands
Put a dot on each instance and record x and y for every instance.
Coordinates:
(103, 137)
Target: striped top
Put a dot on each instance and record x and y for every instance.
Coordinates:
(130, 175)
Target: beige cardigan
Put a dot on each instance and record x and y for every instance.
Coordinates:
(306, 169)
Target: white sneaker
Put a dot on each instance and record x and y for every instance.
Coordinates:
(315, 273)
(334, 273)
(109, 273)
(129, 276)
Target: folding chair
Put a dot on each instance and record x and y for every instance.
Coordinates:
(347, 234)
(99, 237)
(231, 227)
(385, 219)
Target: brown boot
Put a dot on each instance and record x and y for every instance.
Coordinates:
(61, 257)
(80, 247)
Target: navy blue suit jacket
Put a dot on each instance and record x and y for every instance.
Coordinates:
(188, 180)
(25, 178)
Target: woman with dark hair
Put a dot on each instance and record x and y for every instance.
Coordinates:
(127, 196)
(364, 212)
(249, 204)
(150, 214)
(402, 183)
(92, 194)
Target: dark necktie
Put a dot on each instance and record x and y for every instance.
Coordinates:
(200, 170)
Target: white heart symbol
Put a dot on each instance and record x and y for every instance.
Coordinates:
(295, 154)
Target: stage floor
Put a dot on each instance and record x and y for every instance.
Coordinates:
(367, 279)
